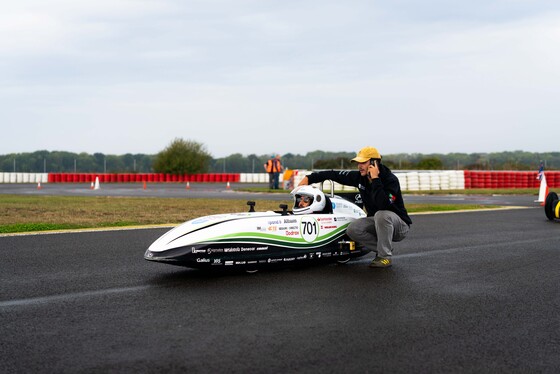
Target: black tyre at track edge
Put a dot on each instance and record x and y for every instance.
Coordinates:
(548, 209)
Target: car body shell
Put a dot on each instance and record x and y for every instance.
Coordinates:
(255, 239)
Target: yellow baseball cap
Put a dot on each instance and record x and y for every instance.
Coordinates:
(366, 153)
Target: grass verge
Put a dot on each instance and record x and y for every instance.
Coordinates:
(44, 213)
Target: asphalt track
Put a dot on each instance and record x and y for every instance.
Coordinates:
(468, 292)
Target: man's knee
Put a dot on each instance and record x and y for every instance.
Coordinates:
(392, 223)
(383, 217)
(358, 228)
(352, 229)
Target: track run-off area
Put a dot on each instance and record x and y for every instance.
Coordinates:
(468, 292)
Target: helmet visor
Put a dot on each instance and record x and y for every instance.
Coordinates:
(303, 201)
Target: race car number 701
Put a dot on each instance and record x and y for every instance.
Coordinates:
(309, 229)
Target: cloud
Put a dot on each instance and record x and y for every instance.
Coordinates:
(247, 76)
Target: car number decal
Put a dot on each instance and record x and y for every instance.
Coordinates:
(309, 229)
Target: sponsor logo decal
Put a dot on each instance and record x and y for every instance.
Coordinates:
(199, 221)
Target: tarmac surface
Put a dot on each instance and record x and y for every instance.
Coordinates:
(468, 292)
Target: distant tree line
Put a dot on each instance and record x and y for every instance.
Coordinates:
(510, 160)
(68, 162)
(190, 157)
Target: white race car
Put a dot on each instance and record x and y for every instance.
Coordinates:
(252, 240)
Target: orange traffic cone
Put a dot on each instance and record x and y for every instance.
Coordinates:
(144, 184)
(228, 186)
(188, 186)
(39, 186)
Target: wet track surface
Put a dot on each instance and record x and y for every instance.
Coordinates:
(468, 292)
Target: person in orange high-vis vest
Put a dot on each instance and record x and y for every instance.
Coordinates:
(273, 167)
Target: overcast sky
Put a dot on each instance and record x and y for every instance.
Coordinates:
(129, 76)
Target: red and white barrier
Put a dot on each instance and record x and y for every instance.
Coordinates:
(409, 180)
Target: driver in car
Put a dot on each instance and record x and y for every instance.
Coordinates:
(308, 199)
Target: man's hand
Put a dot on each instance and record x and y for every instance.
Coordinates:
(373, 170)
(304, 182)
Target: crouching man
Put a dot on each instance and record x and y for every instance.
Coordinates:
(387, 220)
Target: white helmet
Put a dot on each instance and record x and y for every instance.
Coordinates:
(313, 199)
